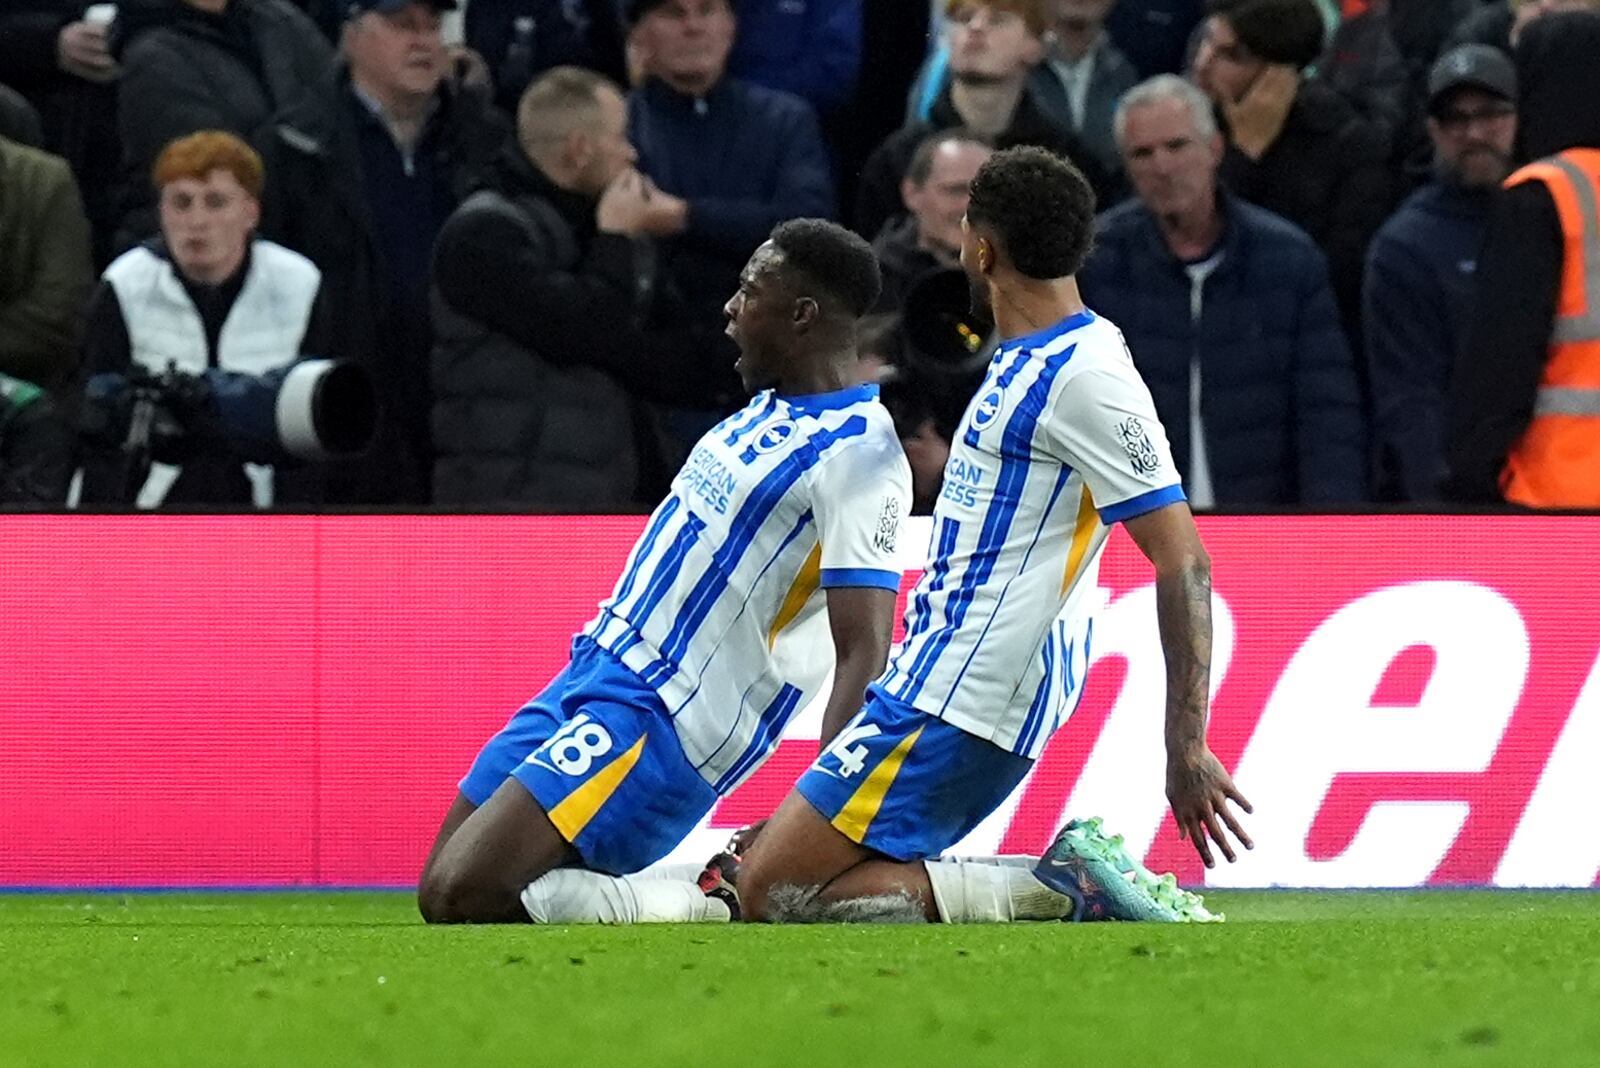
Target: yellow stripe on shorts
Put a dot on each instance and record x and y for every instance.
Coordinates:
(575, 811)
(862, 808)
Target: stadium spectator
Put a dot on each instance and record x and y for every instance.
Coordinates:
(541, 286)
(995, 47)
(1525, 396)
(421, 143)
(727, 161)
(1295, 146)
(934, 192)
(1418, 292)
(206, 294)
(1229, 317)
(45, 271)
(521, 39)
(811, 48)
(59, 57)
(36, 446)
(256, 68)
(1154, 34)
(1078, 84)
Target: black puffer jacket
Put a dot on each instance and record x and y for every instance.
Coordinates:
(526, 293)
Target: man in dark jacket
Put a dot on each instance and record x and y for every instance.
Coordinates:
(1295, 147)
(1494, 391)
(995, 47)
(728, 161)
(934, 192)
(61, 61)
(421, 144)
(1418, 293)
(1229, 317)
(540, 288)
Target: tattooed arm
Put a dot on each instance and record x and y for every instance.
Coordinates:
(1197, 785)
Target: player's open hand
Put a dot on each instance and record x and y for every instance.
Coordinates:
(1199, 789)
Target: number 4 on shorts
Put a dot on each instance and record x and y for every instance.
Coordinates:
(851, 756)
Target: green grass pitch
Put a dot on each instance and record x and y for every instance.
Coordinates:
(1431, 978)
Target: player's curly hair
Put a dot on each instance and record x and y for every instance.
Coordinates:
(1041, 208)
(839, 263)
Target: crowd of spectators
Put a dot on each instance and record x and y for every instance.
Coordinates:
(1352, 243)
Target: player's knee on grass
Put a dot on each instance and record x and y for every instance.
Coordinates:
(479, 874)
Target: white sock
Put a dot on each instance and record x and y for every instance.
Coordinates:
(981, 891)
(683, 873)
(570, 895)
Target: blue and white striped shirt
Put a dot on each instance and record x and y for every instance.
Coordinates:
(720, 607)
(1060, 441)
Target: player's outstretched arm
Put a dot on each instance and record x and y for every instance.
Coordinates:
(862, 621)
(1198, 787)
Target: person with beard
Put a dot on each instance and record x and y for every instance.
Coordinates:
(1230, 318)
(1417, 295)
(996, 46)
(1525, 396)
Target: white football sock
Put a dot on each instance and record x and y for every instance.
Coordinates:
(683, 873)
(982, 891)
(570, 895)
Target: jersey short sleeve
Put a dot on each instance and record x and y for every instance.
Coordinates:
(861, 497)
(1104, 425)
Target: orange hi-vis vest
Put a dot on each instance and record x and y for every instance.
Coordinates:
(1556, 462)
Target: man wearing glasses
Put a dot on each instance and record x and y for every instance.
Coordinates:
(1422, 264)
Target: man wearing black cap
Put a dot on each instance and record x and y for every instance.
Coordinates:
(1295, 146)
(422, 142)
(728, 160)
(1421, 269)
(1524, 423)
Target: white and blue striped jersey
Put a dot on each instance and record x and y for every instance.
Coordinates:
(720, 608)
(1060, 441)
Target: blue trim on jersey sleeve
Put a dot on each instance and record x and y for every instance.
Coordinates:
(808, 403)
(1134, 507)
(834, 577)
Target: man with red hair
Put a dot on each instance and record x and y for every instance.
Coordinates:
(207, 293)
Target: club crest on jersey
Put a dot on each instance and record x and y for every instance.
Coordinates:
(988, 409)
(773, 437)
(1136, 443)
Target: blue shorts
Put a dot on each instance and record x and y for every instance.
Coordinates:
(598, 751)
(907, 784)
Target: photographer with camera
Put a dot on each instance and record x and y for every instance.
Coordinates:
(195, 319)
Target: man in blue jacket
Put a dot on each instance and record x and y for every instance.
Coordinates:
(1422, 266)
(1230, 318)
(728, 161)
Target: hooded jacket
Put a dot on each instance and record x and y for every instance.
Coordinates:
(1519, 273)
